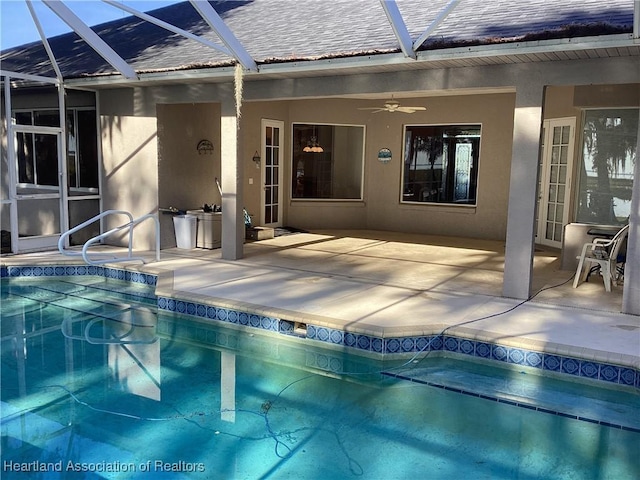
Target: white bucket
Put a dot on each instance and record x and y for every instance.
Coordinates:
(185, 227)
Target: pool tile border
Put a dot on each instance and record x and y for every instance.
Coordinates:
(78, 270)
(439, 342)
(520, 404)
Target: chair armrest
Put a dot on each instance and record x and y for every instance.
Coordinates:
(586, 247)
(603, 242)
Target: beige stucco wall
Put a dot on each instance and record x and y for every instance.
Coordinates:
(380, 207)
(186, 177)
(250, 142)
(130, 173)
(181, 126)
(558, 103)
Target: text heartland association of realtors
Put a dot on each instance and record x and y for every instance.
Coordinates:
(70, 466)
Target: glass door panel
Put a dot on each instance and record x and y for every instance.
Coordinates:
(555, 181)
(272, 132)
(38, 189)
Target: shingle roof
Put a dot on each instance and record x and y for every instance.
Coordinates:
(288, 30)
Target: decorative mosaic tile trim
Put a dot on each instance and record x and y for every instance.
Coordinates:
(611, 373)
(526, 405)
(207, 333)
(605, 372)
(73, 270)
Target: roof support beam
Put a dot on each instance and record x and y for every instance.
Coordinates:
(168, 26)
(636, 19)
(45, 42)
(437, 21)
(390, 8)
(89, 36)
(210, 16)
(29, 77)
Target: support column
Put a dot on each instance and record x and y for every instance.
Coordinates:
(231, 171)
(523, 190)
(631, 290)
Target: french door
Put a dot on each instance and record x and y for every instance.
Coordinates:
(555, 180)
(271, 172)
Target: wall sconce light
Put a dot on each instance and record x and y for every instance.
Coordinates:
(256, 159)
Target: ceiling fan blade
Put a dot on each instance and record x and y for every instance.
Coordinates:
(374, 109)
(393, 106)
(410, 109)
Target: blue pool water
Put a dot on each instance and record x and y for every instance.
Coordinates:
(97, 384)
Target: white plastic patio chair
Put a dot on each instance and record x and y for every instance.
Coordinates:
(603, 253)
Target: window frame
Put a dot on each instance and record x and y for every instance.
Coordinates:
(293, 165)
(402, 200)
(91, 191)
(579, 160)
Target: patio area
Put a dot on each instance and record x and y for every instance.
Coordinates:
(389, 284)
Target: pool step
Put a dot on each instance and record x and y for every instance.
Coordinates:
(612, 407)
(96, 311)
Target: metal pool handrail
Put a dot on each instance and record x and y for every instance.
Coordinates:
(130, 225)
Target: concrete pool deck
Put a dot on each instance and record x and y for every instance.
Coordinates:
(387, 284)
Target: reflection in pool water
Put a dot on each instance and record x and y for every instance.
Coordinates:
(102, 386)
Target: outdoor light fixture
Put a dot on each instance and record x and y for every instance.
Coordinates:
(256, 159)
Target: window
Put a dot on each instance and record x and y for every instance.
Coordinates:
(38, 156)
(441, 164)
(327, 162)
(82, 159)
(37, 159)
(610, 138)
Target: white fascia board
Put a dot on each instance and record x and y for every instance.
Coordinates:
(373, 60)
(527, 48)
(89, 36)
(45, 42)
(399, 27)
(458, 53)
(168, 26)
(31, 78)
(437, 21)
(208, 13)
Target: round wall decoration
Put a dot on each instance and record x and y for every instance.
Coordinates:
(384, 155)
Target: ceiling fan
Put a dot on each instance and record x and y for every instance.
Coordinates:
(393, 106)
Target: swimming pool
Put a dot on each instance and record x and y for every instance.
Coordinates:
(96, 383)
